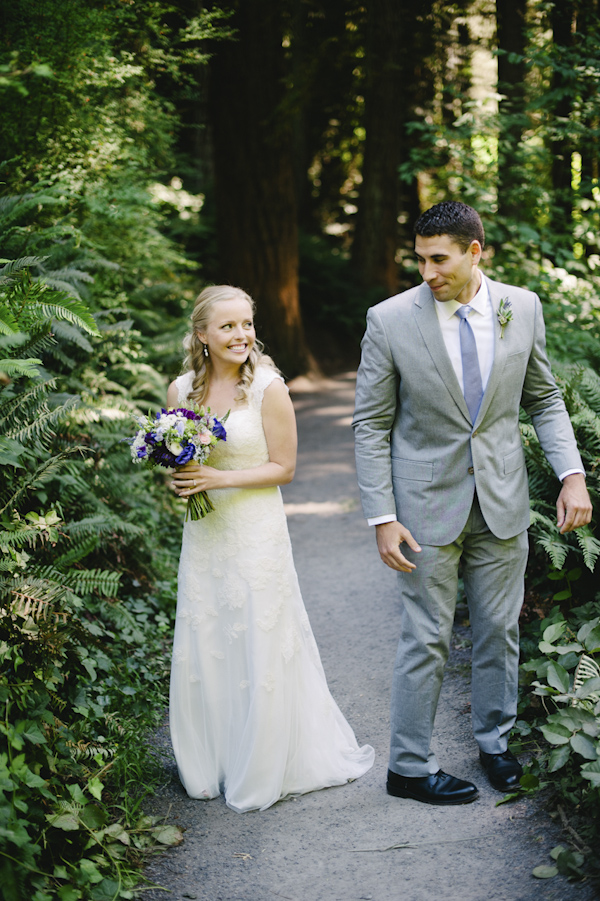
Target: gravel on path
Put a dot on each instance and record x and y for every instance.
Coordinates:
(355, 842)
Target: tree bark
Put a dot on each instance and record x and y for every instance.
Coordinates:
(562, 17)
(510, 22)
(257, 230)
(376, 235)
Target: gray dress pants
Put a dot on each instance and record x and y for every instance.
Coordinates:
(493, 571)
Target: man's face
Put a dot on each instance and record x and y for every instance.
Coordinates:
(450, 273)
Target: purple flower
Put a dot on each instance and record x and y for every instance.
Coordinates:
(162, 457)
(141, 453)
(218, 430)
(150, 438)
(189, 414)
(186, 454)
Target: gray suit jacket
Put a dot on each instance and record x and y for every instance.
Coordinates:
(417, 452)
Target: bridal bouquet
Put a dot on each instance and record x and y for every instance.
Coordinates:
(173, 438)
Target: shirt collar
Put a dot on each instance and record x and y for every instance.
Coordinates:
(447, 308)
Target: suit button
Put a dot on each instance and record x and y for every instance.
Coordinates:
(471, 470)
(474, 433)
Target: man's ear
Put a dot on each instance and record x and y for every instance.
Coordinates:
(475, 249)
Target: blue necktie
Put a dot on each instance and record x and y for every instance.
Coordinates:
(472, 385)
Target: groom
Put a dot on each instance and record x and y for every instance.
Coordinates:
(444, 369)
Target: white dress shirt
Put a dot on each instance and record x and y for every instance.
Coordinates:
(481, 320)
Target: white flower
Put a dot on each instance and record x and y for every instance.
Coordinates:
(174, 446)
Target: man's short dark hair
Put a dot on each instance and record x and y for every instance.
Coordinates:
(457, 220)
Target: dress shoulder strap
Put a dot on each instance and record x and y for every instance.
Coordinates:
(263, 377)
(184, 386)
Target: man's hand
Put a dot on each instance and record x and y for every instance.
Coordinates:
(390, 536)
(573, 507)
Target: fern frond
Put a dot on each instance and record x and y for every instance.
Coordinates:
(14, 267)
(37, 599)
(26, 368)
(556, 550)
(102, 525)
(8, 323)
(590, 389)
(71, 333)
(26, 404)
(43, 423)
(538, 519)
(70, 309)
(83, 581)
(42, 474)
(590, 547)
(87, 750)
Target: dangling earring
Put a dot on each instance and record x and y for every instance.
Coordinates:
(205, 350)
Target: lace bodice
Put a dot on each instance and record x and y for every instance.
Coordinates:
(245, 445)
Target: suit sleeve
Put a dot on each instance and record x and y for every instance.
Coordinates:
(375, 411)
(541, 398)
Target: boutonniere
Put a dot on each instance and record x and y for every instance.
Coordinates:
(504, 314)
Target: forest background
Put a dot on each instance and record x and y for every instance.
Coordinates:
(150, 148)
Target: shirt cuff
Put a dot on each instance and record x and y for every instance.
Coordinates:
(379, 520)
(570, 472)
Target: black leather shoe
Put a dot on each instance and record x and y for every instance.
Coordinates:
(503, 770)
(436, 789)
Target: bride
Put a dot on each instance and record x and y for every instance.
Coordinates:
(250, 712)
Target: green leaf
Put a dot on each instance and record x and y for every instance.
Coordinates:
(69, 893)
(556, 734)
(592, 641)
(167, 835)
(68, 822)
(95, 787)
(544, 872)
(529, 781)
(551, 633)
(10, 451)
(590, 686)
(591, 771)
(586, 628)
(558, 677)
(573, 648)
(118, 833)
(93, 817)
(558, 758)
(90, 871)
(584, 746)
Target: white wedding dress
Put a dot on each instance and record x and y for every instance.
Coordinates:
(250, 712)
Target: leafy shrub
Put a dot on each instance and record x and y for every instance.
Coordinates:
(82, 657)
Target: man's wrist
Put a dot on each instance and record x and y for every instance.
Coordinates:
(571, 472)
(380, 520)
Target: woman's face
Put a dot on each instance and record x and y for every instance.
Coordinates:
(230, 334)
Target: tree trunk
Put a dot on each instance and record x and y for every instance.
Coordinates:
(562, 17)
(255, 197)
(510, 19)
(376, 236)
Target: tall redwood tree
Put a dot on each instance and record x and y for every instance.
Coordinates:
(257, 229)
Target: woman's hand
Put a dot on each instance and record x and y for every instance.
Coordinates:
(192, 478)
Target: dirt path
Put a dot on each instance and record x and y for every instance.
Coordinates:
(356, 843)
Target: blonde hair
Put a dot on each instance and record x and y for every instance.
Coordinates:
(195, 358)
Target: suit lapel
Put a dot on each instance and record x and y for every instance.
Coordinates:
(429, 326)
(498, 292)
